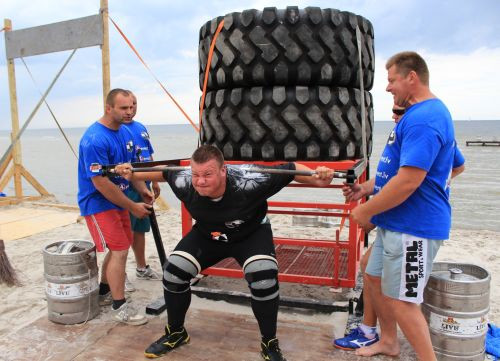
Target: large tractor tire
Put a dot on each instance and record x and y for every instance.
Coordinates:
(310, 46)
(287, 123)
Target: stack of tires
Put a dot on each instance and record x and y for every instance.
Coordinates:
(284, 84)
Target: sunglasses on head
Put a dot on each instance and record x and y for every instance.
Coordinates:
(398, 111)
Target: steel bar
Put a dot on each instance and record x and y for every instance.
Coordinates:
(253, 170)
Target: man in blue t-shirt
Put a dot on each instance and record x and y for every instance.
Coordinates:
(143, 152)
(365, 333)
(410, 207)
(103, 203)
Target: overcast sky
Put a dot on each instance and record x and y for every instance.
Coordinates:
(459, 39)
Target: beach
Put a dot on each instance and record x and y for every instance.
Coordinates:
(474, 235)
(27, 303)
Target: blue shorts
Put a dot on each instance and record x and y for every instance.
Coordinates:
(141, 225)
(403, 262)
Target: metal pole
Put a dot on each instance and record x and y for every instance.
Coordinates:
(253, 170)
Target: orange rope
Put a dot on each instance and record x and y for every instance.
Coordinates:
(207, 69)
(154, 76)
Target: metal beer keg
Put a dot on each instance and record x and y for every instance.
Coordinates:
(71, 281)
(456, 305)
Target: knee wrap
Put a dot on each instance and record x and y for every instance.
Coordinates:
(178, 271)
(261, 273)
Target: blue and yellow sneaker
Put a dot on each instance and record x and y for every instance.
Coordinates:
(167, 342)
(354, 340)
(271, 351)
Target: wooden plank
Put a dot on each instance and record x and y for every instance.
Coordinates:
(6, 178)
(21, 213)
(66, 207)
(34, 182)
(5, 164)
(215, 336)
(49, 38)
(26, 227)
(106, 80)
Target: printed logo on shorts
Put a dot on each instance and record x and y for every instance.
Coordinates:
(413, 269)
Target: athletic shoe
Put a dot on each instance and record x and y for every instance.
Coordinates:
(129, 315)
(129, 286)
(354, 340)
(167, 342)
(148, 274)
(106, 299)
(271, 351)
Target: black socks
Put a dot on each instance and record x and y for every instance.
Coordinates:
(103, 288)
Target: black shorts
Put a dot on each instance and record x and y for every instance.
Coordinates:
(208, 252)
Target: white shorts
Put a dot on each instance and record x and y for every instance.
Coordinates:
(403, 262)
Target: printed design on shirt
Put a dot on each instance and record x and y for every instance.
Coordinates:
(413, 269)
(123, 186)
(139, 154)
(183, 180)
(130, 146)
(145, 135)
(234, 224)
(95, 168)
(246, 180)
(392, 138)
(219, 236)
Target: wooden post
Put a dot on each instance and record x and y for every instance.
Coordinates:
(16, 152)
(106, 83)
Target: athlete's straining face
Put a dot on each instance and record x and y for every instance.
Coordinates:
(209, 178)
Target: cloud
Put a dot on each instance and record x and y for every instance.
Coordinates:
(465, 82)
(457, 38)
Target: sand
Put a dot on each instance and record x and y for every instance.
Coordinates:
(21, 306)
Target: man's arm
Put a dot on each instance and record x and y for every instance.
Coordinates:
(357, 191)
(323, 176)
(395, 192)
(125, 170)
(456, 171)
(143, 190)
(113, 194)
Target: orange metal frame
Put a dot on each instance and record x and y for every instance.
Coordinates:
(330, 262)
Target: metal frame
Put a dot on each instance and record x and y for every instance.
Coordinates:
(345, 266)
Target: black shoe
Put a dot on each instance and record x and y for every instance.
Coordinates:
(271, 351)
(167, 342)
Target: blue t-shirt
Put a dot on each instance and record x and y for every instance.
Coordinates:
(423, 138)
(143, 150)
(100, 146)
(458, 158)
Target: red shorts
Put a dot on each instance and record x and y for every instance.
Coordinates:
(110, 229)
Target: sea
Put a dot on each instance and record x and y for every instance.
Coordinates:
(475, 194)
